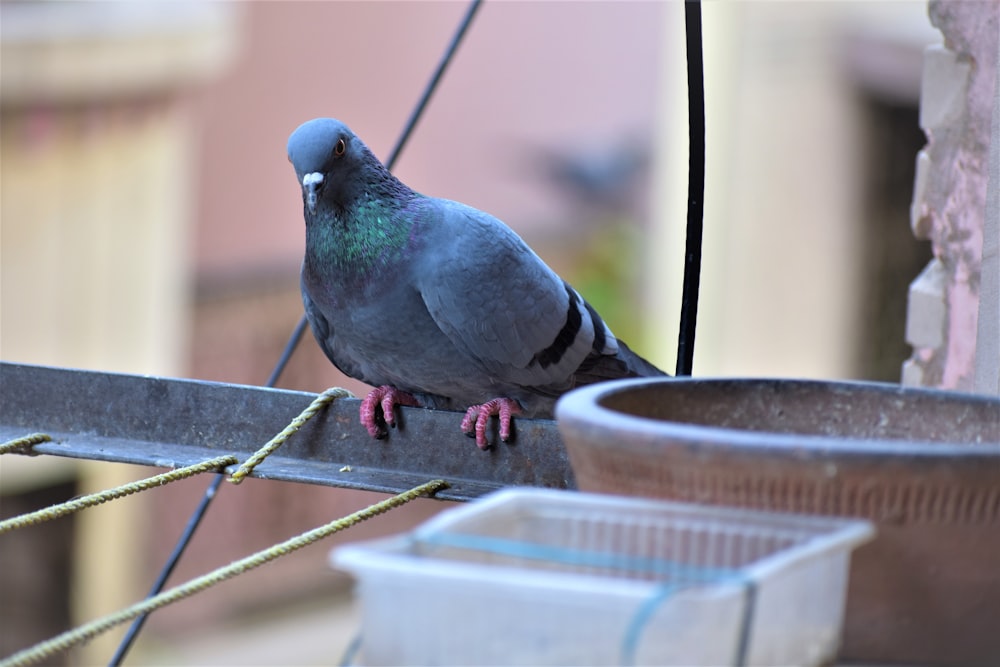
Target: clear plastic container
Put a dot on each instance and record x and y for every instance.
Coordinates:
(542, 577)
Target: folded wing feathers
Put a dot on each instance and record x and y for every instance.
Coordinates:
(522, 322)
(583, 338)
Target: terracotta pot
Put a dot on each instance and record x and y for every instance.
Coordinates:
(924, 465)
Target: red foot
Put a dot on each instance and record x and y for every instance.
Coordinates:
(387, 397)
(477, 416)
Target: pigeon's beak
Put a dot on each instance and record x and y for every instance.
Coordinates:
(310, 185)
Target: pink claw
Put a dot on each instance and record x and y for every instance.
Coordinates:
(477, 416)
(387, 398)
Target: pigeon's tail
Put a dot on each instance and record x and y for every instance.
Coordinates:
(604, 367)
(637, 366)
(539, 401)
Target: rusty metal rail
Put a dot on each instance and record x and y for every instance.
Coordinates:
(167, 422)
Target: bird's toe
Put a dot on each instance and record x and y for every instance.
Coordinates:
(477, 418)
(384, 398)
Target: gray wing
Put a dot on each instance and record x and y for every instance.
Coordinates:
(500, 303)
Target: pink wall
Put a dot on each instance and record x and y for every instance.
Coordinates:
(579, 76)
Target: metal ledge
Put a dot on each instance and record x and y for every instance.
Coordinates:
(170, 423)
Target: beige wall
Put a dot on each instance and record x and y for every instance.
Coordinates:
(780, 275)
(97, 171)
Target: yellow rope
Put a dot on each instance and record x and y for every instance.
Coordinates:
(322, 400)
(77, 504)
(86, 632)
(25, 443)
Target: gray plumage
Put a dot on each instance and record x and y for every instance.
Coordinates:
(433, 297)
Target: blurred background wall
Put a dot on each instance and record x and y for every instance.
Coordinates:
(152, 224)
(98, 166)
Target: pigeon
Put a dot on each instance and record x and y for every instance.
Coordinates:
(434, 303)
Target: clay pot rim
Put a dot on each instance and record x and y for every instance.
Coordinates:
(582, 408)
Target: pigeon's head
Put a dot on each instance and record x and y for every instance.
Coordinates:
(327, 156)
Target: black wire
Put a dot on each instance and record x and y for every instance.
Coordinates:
(168, 568)
(418, 111)
(293, 341)
(351, 652)
(286, 354)
(696, 187)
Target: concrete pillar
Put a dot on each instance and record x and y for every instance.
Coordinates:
(950, 206)
(988, 338)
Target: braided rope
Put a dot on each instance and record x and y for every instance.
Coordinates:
(21, 444)
(77, 504)
(320, 401)
(88, 631)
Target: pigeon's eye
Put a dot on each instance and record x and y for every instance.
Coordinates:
(339, 149)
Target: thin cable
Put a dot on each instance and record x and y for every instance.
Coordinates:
(168, 568)
(291, 345)
(696, 187)
(286, 354)
(418, 111)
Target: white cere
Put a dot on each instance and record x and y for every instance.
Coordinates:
(312, 178)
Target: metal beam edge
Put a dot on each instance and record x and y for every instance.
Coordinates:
(169, 422)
